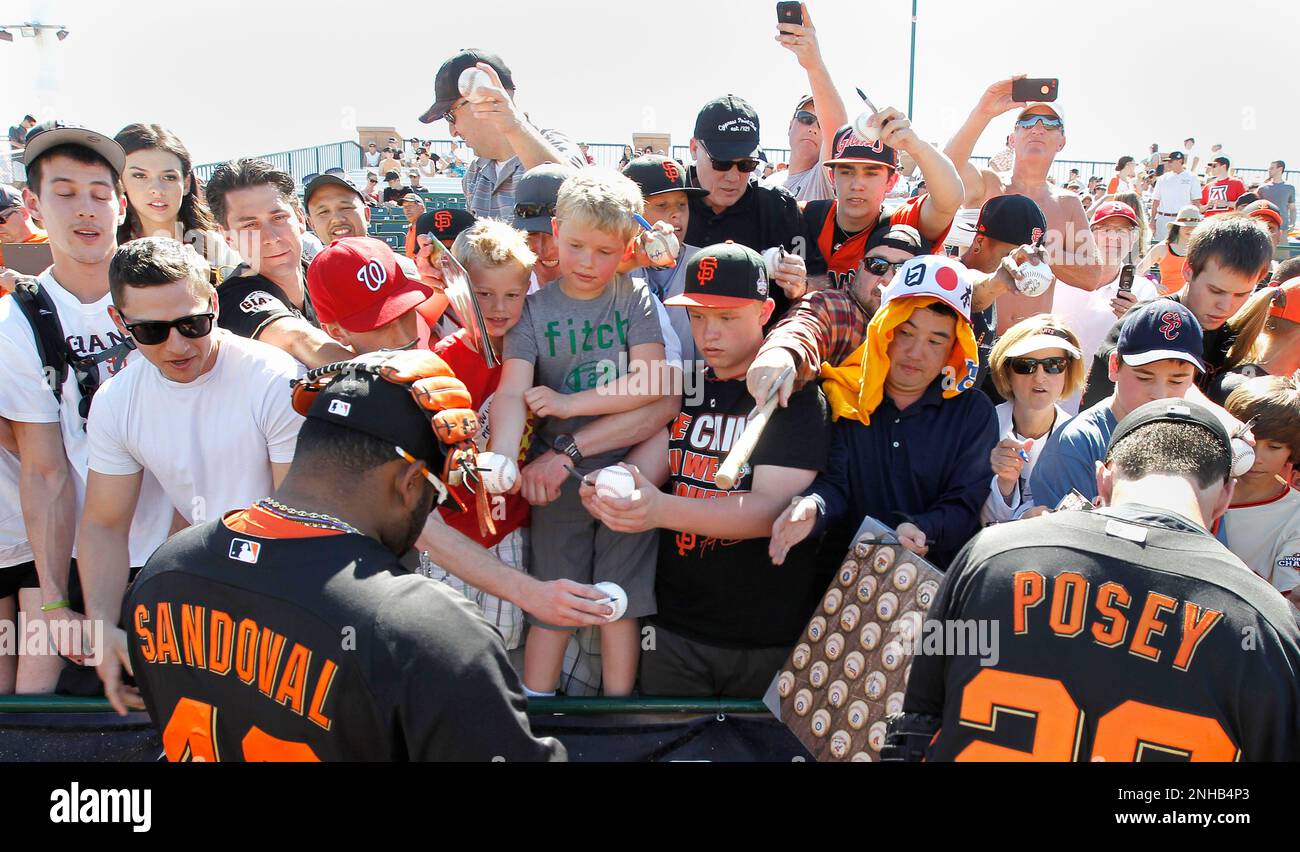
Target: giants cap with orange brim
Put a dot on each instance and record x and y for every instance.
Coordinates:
(726, 275)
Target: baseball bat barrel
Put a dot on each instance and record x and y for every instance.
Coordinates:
(729, 472)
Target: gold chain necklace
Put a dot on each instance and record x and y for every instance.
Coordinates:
(311, 519)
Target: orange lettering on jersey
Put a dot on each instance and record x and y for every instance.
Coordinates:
(680, 425)
(192, 635)
(221, 642)
(323, 683)
(1150, 625)
(294, 680)
(141, 618)
(167, 650)
(1110, 597)
(1069, 592)
(268, 660)
(261, 747)
(1027, 593)
(246, 650)
(1197, 624)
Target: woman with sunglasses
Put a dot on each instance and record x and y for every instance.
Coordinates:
(1034, 365)
(163, 196)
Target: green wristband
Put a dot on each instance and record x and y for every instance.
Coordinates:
(53, 605)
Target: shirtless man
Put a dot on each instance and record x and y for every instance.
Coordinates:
(1038, 137)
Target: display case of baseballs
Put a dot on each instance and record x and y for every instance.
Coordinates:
(849, 669)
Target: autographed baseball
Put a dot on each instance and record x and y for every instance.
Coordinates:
(472, 82)
(772, 258)
(615, 481)
(660, 247)
(615, 597)
(863, 128)
(1037, 278)
(497, 472)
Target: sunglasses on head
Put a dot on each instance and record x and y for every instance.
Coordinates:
(154, 332)
(532, 211)
(1046, 120)
(746, 165)
(803, 116)
(1028, 366)
(880, 266)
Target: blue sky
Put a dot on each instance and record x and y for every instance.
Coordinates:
(242, 77)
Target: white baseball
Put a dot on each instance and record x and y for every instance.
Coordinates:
(471, 83)
(615, 481)
(865, 130)
(772, 257)
(661, 247)
(497, 472)
(615, 597)
(1037, 278)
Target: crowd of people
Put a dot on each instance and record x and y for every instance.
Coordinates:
(161, 477)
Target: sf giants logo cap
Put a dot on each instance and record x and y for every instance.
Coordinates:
(705, 271)
(849, 148)
(442, 219)
(725, 275)
(657, 174)
(671, 171)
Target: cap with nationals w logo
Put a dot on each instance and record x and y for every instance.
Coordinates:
(1161, 330)
(657, 174)
(726, 275)
(849, 148)
(357, 283)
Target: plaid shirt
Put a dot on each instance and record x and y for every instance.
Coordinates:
(827, 325)
(490, 184)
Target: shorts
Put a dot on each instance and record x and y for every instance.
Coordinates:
(681, 667)
(507, 618)
(569, 544)
(15, 577)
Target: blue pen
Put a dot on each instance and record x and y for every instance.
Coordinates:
(1024, 456)
(640, 220)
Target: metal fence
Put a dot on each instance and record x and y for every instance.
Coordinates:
(301, 162)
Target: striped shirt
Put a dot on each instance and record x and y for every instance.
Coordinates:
(490, 184)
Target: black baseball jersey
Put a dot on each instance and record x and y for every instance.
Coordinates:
(249, 303)
(1123, 634)
(282, 642)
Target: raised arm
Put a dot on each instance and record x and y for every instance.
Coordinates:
(831, 112)
(980, 183)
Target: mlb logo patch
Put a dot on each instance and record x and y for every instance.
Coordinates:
(243, 550)
(339, 407)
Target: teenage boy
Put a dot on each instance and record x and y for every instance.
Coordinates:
(73, 187)
(713, 551)
(206, 412)
(266, 297)
(569, 343)
(1262, 525)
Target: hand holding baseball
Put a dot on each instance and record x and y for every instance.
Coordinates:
(425, 264)
(792, 276)
(793, 526)
(631, 514)
(895, 129)
(496, 109)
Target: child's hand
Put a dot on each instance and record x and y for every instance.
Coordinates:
(545, 402)
(541, 480)
(624, 514)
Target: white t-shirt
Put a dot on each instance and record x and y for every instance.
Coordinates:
(14, 547)
(25, 397)
(811, 185)
(209, 442)
(372, 159)
(1176, 191)
(1090, 317)
(1266, 536)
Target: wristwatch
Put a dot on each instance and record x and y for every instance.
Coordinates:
(566, 445)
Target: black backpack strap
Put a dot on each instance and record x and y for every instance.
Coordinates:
(43, 317)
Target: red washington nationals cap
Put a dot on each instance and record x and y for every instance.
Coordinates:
(357, 283)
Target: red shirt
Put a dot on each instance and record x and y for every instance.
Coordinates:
(1221, 195)
(509, 511)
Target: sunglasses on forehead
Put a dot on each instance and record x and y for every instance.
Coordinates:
(1028, 366)
(745, 165)
(1047, 121)
(531, 211)
(154, 332)
(805, 117)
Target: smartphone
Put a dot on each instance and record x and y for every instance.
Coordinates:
(1126, 278)
(789, 13)
(1034, 89)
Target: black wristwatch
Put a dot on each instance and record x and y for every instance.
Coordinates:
(566, 445)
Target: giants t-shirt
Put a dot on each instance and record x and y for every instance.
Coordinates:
(833, 253)
(509, 511)
(728, 593)
(249, 303)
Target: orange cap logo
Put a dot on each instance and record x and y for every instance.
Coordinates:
(442, 220)
(671, 171)
(708, 266)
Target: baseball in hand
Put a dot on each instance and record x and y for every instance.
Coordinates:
(1037, 277)
(661, 247)
(772, 258)
(497, 472)
(472, 82)
(863, 127)
(615, 482)
(615, 597)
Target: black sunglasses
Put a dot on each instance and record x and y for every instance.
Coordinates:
(880, 266)
(746, 165)
(1028, 366)
(803, 116)
(153, 332)
(531, 211)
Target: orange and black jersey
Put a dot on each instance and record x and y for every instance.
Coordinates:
(255, 638)
(833, 253)
(1123, 634)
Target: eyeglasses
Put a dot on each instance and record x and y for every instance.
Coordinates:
(451, 113)
(1028, 366)
(879, 266)
(1046, 120)
(805, 117)
(154, 332)
(532, 211)
(746, 165)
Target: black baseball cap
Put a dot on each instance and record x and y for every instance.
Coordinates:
(1171, 411)
(1176, 155)
(1158, 331)
(446, 85)
(904, 238)
(445, 223)
(51, 134)
(1221, 159)
(10, 197)
(535, 196)
(392, 175)
(1014, 219)
(726, 275)
(360, 400)
(327, 179)
(849, 148)
(728, 127)
(657, 174)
